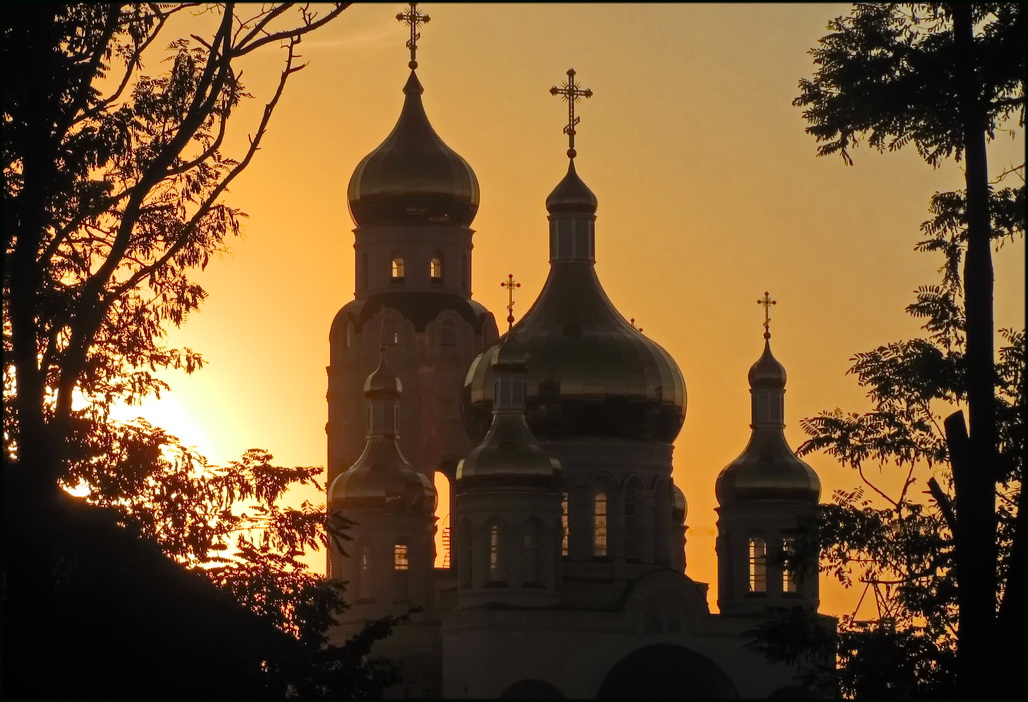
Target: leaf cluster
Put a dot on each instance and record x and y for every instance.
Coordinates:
(890, 72)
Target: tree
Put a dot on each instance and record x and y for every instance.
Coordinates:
(113, 185)
(945, 78)
(113, 197)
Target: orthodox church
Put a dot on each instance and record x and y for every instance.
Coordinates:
(566, 576)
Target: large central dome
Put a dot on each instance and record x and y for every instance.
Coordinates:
(413, 177)
(590, 372)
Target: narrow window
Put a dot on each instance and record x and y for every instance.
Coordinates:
(600, 524)
(448, 337)
(788, 577)
(364, 271)
(397, 268)
(464, 271)
(531, 554)
(348, 335)
(494, 553)
(564, 524)
(400, 557)
(435, 268)
(758, 565)
(631, 505)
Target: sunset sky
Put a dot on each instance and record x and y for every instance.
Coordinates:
(709, 194)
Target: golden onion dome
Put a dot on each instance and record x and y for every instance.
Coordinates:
(679, 505)
(767, 469)
(382, 478)
(767, 372)
(592, 373)
(413, 177)
(378, 480)
(382, 381)
(571, 195)
(509, 455)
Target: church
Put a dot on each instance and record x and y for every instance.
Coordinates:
(566, 571)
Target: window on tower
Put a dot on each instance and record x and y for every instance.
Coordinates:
(364, 574)
(788, 576)
(397, 268)
(495, 564)
(400, 561)
(531, 553)
(435, 268)
(600, 524)
(448, 335)
(631, 520)
(758, 564)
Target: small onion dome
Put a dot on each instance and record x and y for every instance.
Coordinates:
(679, 507)
(767, 372)
(509, 454)
(767, 470)
(571, 195)
(510, 355)
(382, 479)
(383, 382)
(592, 373)
(413, 177)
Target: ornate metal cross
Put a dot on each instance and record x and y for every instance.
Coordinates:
(510, 284)
(571, 92)
(767, 302)
(413, 18)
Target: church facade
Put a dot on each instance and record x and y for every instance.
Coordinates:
(566, 574)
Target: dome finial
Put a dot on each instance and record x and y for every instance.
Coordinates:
(510, 284)
(413, 18)
(571, 92)
(767, 302)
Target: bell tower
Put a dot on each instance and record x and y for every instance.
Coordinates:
(764, 494)
(413, 200)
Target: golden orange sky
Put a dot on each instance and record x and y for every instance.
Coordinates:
(709, 194)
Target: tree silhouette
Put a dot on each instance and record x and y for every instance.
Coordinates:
(943, 78)
(113, 197)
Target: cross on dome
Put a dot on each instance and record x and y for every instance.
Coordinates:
(413, 18)
(571, 92)
(510, 284)
(767, 302)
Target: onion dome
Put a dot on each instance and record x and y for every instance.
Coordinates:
(382, 478)
(767, 469)
(571, 195)
(413, 177)
(767, 372)
(509, 454)
(593, 374)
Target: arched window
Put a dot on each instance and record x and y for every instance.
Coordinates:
(631, 520)
(401, 565)
(788, 576)
(448, 333)
(435, 268)
(531, 553)
(495, 564)
(600, 523)
(758, 564)
(564, 524)
(348, 335)
(464, 271)
(364, 271)
(397, 268)
(400, 561)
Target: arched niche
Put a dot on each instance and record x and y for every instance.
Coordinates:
(531, 689)
(666, 672)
